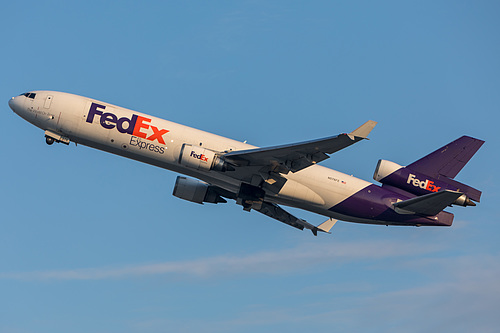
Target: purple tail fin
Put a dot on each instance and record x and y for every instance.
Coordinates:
(448, 160)
(434, 172)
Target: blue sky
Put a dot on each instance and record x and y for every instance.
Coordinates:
(92, 242)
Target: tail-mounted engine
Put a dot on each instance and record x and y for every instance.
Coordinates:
(202, 159)
(196, 191)
(391, 174)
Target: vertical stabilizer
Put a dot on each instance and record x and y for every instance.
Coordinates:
(434, 172)
(448, 160)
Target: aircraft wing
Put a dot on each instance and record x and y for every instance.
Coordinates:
(276, 212)
(297, 156)
(429, 204)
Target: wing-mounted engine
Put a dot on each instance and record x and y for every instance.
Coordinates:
(391, 174)
(196, 191)
(202, 159)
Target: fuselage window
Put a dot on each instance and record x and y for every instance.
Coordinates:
(29, 95)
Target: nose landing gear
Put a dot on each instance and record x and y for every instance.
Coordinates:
(51, 137)
(49, 140)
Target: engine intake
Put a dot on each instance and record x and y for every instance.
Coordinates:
(385, 168)
(196, 191)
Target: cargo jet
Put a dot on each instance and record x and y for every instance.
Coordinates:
(262, 179)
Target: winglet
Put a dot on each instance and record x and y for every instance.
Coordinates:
(363, 130)
(324, 227)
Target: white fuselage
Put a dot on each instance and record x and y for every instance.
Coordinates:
(159, 142)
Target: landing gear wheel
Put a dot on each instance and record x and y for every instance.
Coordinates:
(49, 140)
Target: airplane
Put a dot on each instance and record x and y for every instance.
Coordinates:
(262, 179)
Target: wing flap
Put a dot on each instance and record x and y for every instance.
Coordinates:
(429, 204)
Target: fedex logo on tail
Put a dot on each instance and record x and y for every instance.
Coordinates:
(423, 184)
(133, 126)
(201, 157)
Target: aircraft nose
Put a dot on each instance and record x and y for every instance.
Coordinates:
(14, 103)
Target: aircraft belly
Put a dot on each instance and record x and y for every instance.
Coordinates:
(373, 204)
(332, 186)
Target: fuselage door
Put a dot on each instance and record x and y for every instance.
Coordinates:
(48, 101)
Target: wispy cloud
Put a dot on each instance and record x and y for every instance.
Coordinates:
(445, 293)
(270, 262)
(462, 296)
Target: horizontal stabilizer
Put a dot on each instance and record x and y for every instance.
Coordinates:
(429, 204)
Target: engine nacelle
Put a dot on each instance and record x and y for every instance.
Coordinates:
(392, 174)
(385, 168)
(200, 158)
(196, 191)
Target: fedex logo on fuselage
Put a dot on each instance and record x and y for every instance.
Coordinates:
(201, 157)
(423, 184)
(132, 126)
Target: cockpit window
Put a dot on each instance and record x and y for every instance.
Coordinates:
(29, 95)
